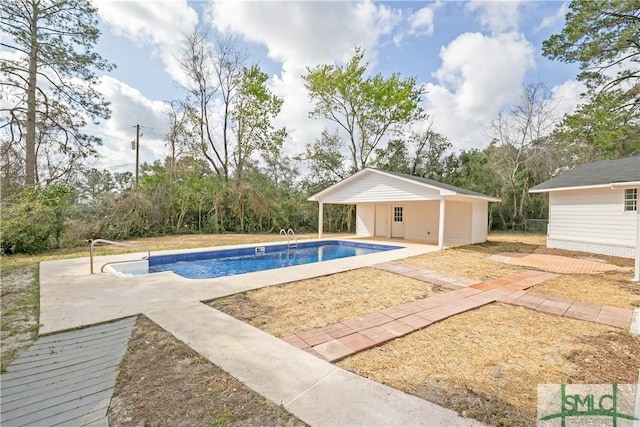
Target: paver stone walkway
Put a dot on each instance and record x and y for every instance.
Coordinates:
(571, 309)
(554, 263)
(441, 279)
(339, 340)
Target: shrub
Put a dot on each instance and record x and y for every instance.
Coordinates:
(36, 221)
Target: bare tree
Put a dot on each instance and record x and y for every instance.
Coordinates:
(229, 66)
(214, 71)
(522, 141)
(179, 137)
(197, 61)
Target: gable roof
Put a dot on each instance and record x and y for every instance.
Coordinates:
(444, 189)
(434, 183)
(599, 174)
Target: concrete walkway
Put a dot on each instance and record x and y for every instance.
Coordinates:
(314, 390)
(66, 378)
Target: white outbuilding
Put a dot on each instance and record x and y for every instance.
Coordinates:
(594, 208)
(390, 204)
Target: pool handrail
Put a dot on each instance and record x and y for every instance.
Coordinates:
(113, 242)
(295, 239)
(290, 235)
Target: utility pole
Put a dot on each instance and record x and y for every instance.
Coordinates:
(137, 154)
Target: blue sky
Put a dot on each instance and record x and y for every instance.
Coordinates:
(472, 58)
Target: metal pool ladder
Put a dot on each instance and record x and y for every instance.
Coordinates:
(290, 235)
(112, 242)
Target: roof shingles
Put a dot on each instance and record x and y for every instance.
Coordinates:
(626, 169)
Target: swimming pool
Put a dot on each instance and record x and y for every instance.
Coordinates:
(229, 262)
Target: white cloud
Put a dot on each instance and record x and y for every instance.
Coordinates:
(305, 34)
(129, 108)
(566, 97)
(478, 76)
(294, 113)
(554, 20)
(159, 24)
(496, 16)
(421, 21)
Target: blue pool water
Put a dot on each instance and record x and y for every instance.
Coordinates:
(207, 265)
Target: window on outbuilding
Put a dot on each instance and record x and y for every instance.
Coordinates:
(397, 214)
(631, 199)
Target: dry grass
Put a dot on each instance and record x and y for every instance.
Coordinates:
(314, 303)
(535, 239)
(485, 363)
(464, 262)
(189, 241)
(163, 382)
(612, 288)
(471, 261)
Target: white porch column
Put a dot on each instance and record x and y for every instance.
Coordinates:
(320, 219)
(441, 225)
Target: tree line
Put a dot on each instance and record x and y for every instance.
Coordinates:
(226, 170)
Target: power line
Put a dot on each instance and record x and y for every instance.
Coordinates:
(118, 166)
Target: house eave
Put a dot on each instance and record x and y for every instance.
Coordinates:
(443, 192)
(587, 187)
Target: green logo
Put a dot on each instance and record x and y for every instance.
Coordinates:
(586, 404)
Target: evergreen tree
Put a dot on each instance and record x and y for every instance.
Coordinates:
(50, 79)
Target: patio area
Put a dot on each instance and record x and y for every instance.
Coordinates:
(554, 263)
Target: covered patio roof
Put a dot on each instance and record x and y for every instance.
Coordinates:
(376, 186)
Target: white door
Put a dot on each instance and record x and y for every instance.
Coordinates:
(382, 217)
(397, 224)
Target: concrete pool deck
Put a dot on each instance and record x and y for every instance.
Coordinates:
(71, 297)
(316, 391)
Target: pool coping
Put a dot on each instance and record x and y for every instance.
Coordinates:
(243, 254)
(70, 297)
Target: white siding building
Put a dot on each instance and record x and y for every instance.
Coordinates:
(594, 208)
(397, 205)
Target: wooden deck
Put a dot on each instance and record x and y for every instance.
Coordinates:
(66, 378)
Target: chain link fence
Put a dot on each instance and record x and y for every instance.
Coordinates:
(536, 225)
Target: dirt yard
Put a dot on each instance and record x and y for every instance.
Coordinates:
(20, 302)
(163, 382)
